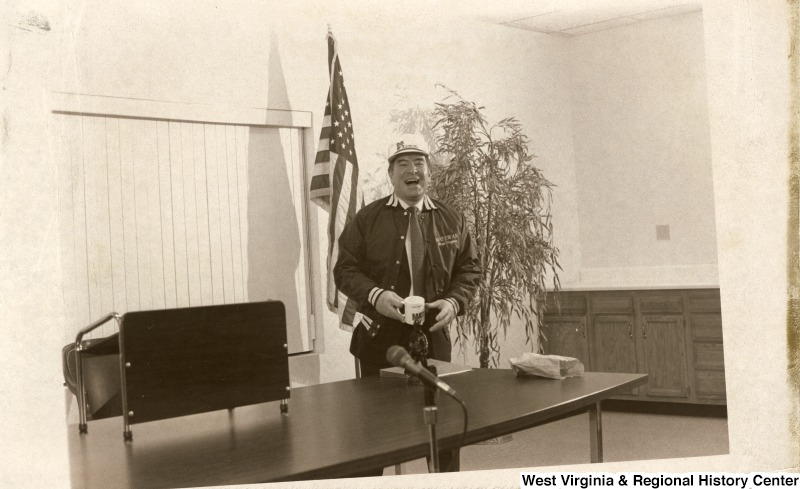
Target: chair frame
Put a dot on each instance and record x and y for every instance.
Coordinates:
(79, 348)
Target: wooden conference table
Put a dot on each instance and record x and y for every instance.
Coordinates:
(331, 430)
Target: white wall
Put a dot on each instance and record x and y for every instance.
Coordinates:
(642, 154)
(209, 54)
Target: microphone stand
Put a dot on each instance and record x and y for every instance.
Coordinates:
(430, 414)
(419, 352)
(418, 347)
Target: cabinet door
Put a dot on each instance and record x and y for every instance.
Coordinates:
(614, 345)
(663, 343)
(709, 364)
(566, 336)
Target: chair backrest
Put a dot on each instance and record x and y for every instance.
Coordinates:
(199, 359)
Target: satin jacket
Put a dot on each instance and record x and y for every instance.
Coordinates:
(372, 256)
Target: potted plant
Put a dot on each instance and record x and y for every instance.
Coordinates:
(486, 172)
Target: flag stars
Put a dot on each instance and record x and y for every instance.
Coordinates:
(340, 122)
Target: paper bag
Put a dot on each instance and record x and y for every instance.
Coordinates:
(550, 366)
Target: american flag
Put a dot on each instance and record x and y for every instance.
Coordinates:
(334, 184)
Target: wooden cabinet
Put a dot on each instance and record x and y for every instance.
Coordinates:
(674, 336)
(566, 335)
(565, 332)
(663, 346)
(614, 345)
(708, 367)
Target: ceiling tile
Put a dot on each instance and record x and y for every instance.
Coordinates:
(582, 16)
(668, 12)
(601, 26)
(562, 20)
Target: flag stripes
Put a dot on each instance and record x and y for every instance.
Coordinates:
(334, 182)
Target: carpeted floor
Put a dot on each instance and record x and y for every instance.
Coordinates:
(626, 436)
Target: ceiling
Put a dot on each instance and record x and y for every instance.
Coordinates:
(577, 17)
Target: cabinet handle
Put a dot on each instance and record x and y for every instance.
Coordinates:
(583, 330)
(644, 331)
(630, 330)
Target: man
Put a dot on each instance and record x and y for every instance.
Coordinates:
(377, 267)
(402, 245)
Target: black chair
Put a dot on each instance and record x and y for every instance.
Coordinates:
(176, 362)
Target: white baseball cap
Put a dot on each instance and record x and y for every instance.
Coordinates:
(407, 146)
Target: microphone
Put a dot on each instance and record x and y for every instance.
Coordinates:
(399, 357)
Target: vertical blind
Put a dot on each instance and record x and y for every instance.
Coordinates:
(161, 214)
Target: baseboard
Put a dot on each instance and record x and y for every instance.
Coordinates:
(671, 408)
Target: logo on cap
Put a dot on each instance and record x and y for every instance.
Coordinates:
(402, 145)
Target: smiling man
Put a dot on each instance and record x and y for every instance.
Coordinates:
(402, 245)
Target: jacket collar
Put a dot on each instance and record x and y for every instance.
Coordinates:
(427, 203)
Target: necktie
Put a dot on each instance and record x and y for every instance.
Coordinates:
(417, 253)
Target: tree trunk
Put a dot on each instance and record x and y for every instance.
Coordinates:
(485, 350)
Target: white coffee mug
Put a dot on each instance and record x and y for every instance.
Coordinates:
(414, 308)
